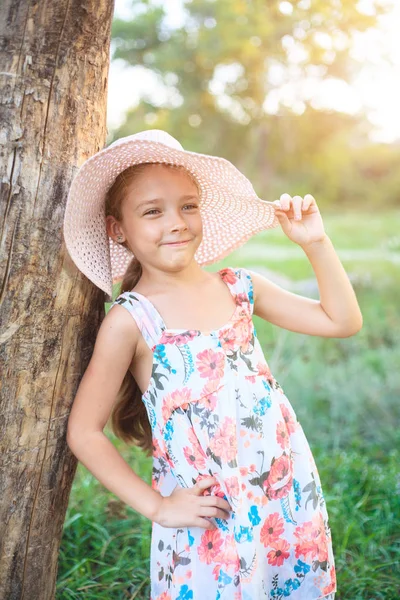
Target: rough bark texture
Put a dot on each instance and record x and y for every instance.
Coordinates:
(54, 61)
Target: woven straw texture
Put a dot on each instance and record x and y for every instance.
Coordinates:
(231, 210)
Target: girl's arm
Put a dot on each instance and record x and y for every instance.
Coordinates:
(114, 348)
(337, 313)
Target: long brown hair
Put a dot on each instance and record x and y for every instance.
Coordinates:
(129, 420)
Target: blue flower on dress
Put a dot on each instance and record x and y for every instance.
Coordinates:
(169, 430)
(262, 404)
(160, 356)
(290, 585)
(224, 577)
(266, 385)
(250, 289)
(221, 524)
(297, 493)
(301, 567)
(191, 538)
(185, 593)
(244, 535)
(253, 515)
(152, 415)
(278, 592)
(296, 583)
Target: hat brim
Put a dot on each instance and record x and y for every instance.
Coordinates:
(230, 209)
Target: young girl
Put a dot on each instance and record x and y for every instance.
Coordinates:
(236, 502)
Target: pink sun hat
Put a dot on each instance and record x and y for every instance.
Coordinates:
(230, 209)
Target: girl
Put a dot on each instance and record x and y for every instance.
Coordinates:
(236, 503)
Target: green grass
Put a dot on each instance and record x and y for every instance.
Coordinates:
(346, 395)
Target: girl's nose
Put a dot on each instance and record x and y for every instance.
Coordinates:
(178, 223)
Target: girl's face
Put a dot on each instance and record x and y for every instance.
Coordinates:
(161, 220)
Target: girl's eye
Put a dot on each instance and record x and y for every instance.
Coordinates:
(153, 210)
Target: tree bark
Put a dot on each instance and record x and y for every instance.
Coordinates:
(54, 62)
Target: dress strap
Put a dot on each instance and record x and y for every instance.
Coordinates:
(244, 285)
(148, 319)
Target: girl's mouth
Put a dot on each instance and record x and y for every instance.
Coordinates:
(182, 243)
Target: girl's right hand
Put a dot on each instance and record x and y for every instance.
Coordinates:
(187, 507)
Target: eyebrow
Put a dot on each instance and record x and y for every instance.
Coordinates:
(155, 200)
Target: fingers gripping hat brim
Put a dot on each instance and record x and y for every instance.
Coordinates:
(230, 209)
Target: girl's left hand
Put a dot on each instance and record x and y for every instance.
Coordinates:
(300, 219)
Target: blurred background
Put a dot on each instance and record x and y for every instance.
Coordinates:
(303, 97)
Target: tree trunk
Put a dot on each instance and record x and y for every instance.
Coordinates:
(54, 61)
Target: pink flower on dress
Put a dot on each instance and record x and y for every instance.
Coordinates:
(272, 528)
(279, 553)
(232, 486)
(312, 539)
(194, 454)
(223, 443)
(291, 424)
(208, 395)
(282, 435)
(280, 478)
(228, 554)
(169, 337)
(228, 276)
(210, 546)
(157, 451)
(239, 333)
(178, 398)
(332, 586)
(263, 369)
(210, 364)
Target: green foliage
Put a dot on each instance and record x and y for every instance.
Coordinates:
(217, 70)
(345, 393)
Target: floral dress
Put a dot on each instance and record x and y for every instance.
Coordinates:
(216, 409)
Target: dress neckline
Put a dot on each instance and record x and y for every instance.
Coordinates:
(179, 330)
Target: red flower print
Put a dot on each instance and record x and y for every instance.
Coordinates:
(169, 337)
(210, 364)
(263, 369)
(232, 486)
(228, 554)
(208, 395)
(241, 298)
(238, 335)
(210, 546)
(291, 424)
(272, 528)
(312, 539)
(282, 435)
(331, 587)
(165, 596)
(157, 451)
(279, 480)
(228, 276)
(178, 398)
(194, 457)
(279, 553)
(223, 443)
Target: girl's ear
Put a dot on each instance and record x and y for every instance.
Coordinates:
(113, 228)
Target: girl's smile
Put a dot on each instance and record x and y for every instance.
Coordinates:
(181, 243)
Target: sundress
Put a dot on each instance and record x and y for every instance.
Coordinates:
(216, 409)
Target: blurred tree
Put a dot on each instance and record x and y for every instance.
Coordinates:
(218, 67)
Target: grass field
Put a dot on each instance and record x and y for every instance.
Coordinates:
(346, 395)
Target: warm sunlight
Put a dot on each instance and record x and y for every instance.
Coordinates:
(375, 89)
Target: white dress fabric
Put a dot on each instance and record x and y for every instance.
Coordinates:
(216, 409)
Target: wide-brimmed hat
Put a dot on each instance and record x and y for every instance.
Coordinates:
(230, 209)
